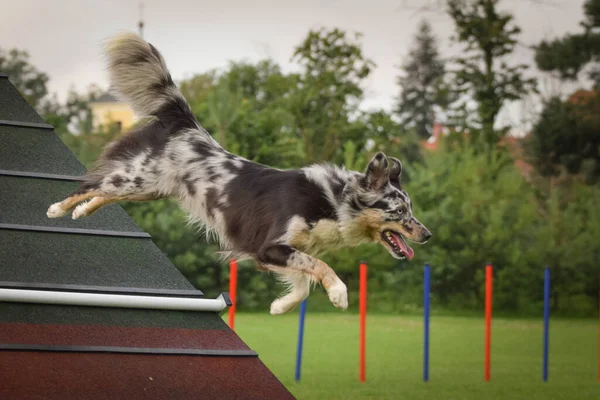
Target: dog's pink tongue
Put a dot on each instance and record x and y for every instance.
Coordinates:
(406, 249)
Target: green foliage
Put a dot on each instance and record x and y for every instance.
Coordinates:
(26, 77)
(572, 53)
(197, 89)
(327, 92)
(568, 244)
(223, 110)
(567, 55)
(262, 131)
(480, 210)
(419, 83)
(246, 107)
(391, 138)
(567, 138)
(488, 37)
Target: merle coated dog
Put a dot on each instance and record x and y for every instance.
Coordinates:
(281, 218)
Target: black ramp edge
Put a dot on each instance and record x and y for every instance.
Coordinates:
(228, 302)
(227, 299)
(44, 257)
(76, 231)
(35, 150)
(128, 350)
(3, 75)
(26, 124)
(102, 289)
(41, 175)
(134, 317)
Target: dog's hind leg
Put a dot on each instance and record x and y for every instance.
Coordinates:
(88, 208)
(113, 186)
(284, 256)
(62, 208)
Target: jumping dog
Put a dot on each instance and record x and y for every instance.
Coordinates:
(282, 219)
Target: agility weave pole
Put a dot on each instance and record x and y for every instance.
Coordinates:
(363, 322)
(232, 292)
(426, 287)
(546, 322)
(300, 340)
(362, 328)
(488, 321)
(426, 324)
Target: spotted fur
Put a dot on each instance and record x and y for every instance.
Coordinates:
(283, 219)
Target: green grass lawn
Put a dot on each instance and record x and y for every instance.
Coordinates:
(394, 357)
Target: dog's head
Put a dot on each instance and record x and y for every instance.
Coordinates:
(376, 208)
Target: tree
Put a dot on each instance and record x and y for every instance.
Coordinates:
(569, 55)
(327, 92)
(30, 81)
(567, 243)
(567, 135)
(262, 130)
(419, 83)
(391, 138)
(479, 209)
(246, 107)
(223, 110)
(566, 139)
(482, 73)
(196, 91)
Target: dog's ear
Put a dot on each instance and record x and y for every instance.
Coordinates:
(395, 171)
(377, 174)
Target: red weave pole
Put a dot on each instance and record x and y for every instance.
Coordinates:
(363, 317)
(488, 319)
(232, 292)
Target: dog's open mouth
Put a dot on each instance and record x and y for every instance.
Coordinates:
(398, 244)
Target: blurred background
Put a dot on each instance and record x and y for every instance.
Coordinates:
(492, 105)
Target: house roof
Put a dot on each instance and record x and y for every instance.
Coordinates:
(107, 98)
(581, 96)
(97, 352)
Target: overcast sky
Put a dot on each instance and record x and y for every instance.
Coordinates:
(64, 36)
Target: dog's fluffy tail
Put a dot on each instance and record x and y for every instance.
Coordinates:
(138, 75)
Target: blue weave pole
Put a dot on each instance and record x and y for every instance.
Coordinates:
(426, 282)
(546, 321)
(300, 339)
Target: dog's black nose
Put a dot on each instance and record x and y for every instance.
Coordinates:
(426, 236)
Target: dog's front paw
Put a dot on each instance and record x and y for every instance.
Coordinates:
(281, 306)
(56, 211)
(338, 294)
